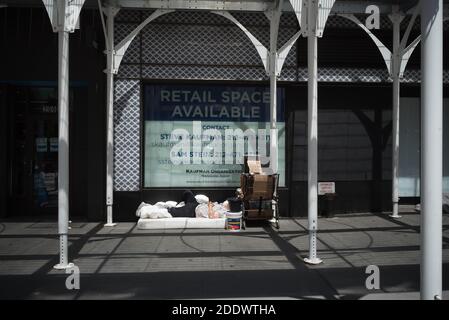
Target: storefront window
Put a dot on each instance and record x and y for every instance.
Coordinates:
(198, 135)
(345, 152)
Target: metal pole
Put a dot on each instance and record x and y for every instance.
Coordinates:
(63, 149)
(396, 61)
(431, 148)
(273, 94)
(312, 160)
(395, 146)
(110, 117)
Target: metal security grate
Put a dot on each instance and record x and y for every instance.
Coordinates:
(127, 135)
(205, 46)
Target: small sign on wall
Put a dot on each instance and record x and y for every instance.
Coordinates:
(44, 108)
(326, 188)
(41, 144)
(54, 144)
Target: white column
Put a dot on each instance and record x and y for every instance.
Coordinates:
(395, 146)
(312, 136)
(63, 148)
(273, 72)
(396, 66)
(273, 94)
(431, 148)
(110, 116)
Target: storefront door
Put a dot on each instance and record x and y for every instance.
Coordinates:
(34, 152)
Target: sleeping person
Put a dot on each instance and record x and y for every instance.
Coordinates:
(188, 210)
(191, 206)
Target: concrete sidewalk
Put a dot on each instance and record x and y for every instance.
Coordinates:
(259, 262)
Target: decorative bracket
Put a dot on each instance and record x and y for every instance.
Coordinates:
(274, 16)
(120, 49)
(284, 51)
(300, 9)
(261, 50)
(324, 9)
(384, 51)
(108, 30)
(312, 15)
(403, 53)
(64, 14)
(406, 53)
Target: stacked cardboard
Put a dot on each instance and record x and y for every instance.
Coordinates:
(254, 167)
(257, 188)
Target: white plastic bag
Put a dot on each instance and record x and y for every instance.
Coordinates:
(140, 207)
(154, 212)
(202, 211)
(201, 198)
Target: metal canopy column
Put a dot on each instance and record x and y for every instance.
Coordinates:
(396, 18)
(64, 17)
(272, 70)
(312, 133)
(431, 148)
(114, 55)
(110, 71)
(400, 56)
(63, 146)
(273, 61)
(312, 16)
(396, 63)
(312, 147)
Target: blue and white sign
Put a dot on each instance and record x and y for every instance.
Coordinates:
(209, 129)
(54, 143)
(41, 144)
(210, 103)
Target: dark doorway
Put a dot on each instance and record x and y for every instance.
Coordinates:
(3, 155)
(33, 151)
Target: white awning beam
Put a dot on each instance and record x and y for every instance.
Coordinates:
(354, 7)
(254, 5)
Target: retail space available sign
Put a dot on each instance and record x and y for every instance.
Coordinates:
(197, 135)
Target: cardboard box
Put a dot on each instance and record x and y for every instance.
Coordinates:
(255, 214)
(254, 167)
(263, 185)
(257, 186)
